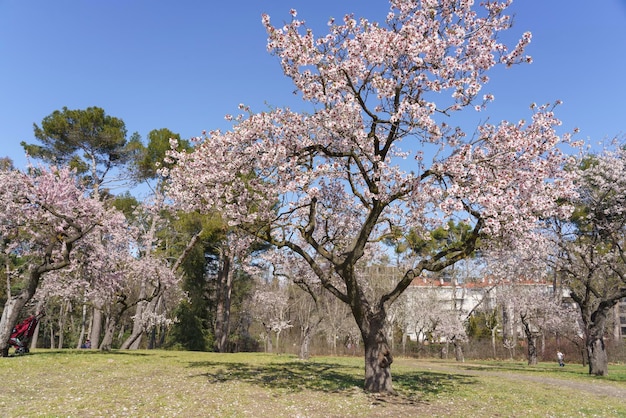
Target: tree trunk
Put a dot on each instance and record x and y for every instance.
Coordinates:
(532, 350)
(307, 332)
(134, 341)
(142, 306)
(109, 329)
(305, 352)
(594, 339)
(268, 343)
(83, 326)
(130, 343)
(507, 323)
(52, 339)
(33, 341)
(378, 356)
(35, 338)
(268, 338)
(222, 315)
(62, 315)
(443, 353)
(116, 311)
(531, 339)
(278, 341)
(458, 351)
(96, 327)
(10, 313)
(13, 307)
(404, 338)
(598, 360)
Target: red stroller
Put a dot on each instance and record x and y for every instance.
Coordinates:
(23, 332)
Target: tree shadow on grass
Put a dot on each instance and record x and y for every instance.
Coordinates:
(329, 377)
(84, 352)
(294, 376)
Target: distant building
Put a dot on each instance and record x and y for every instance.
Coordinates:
(469, 297)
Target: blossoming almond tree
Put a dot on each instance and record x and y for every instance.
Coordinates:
(271, 308)
(538, 309)
(379, 152)
(43, 216)
(591, 249)
(96, 274)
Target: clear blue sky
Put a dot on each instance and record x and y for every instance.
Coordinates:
(183, 65)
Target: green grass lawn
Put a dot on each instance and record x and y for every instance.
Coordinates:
(83, 383)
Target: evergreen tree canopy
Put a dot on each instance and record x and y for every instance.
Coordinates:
(88, 140)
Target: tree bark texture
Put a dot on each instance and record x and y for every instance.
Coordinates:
(109, 329)
(268, 339)
(13, 307)
(151, 305)
(134, 341)
(378, 356)
(10, 313)
(598, 359)
(96, 327)
(116, 311)
(532, 349)
(62, 317)
(305, 352)
(458, 352)
(222, 316)
(595, 325)
(35, 338)
(83, 326)
(531, 340)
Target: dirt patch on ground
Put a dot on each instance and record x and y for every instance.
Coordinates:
(593, 387)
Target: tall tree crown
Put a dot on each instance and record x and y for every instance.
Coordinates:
(88, 140)
(379, 150)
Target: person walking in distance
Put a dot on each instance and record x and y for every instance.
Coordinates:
(560, 357)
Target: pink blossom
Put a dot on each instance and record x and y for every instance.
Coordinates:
(334, 184)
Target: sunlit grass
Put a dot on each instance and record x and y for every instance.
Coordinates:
(192, 384)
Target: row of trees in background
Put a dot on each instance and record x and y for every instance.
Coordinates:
(317, 198)
(499, 320)
(262, 310)
(122, 259)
